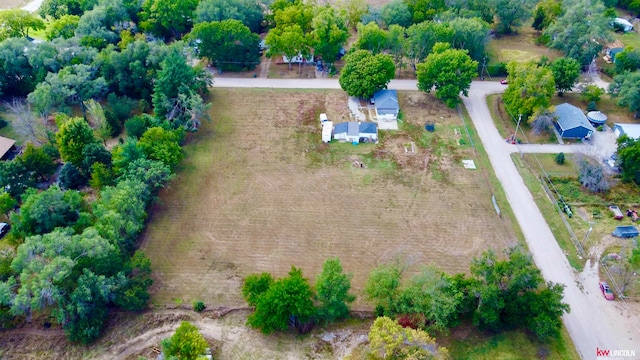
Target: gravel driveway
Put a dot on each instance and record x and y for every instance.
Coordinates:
(593, 323)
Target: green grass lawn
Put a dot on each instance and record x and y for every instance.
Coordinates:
(628, 39)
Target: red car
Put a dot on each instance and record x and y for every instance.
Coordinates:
(504, 82)
(606, 291)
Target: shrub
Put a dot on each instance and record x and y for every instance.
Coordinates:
(137, 125)
(592, 106)
(70, 177)
(560, 159)
(591, 93)
(198, 306)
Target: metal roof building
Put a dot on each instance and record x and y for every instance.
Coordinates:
(571, 122)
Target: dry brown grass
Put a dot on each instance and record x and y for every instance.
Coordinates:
(250, 199)
(520, 47)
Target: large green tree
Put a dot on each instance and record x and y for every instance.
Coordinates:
(371, 37)
(329, 34)
(37, 160)
(18, 22)
(546, 13)
(627, 60)
(17, 77)
(530, 89)
(629, 155)
(364, 73)
(249, 12)
(332, 286)
(626, 87)
(449, 71)
(64, 27)
(471, 35)
(72, 137)
(565, 73)
(288, 300)
(228, 44)
(161, 145)
(168, 17)
(288, 40)
(187, 343)
(510, 13)
(384, 286)
(421, 38)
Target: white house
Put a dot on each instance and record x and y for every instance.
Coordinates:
(386, 104)
(631, 130)
(297, 59)
(327, 130)
(355, 131)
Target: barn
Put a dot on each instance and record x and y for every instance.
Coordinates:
(386, 104)
(356, 131)
(571, 122)
(631, 130)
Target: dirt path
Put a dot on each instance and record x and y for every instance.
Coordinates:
(264, 69)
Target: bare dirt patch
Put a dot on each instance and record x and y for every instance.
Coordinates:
(248, 200)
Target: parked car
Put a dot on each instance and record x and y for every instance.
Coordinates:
(504, 82)
(606, 291)
(4, 229)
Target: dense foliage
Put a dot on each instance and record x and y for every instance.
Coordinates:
(365, 73)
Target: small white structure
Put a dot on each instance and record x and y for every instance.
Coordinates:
(631, 130)
(623, 24)
(327, 131)
(355, 131)
(323, 118)
(297, 59)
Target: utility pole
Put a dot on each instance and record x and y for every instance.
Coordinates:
(586, 236)
(515, 135)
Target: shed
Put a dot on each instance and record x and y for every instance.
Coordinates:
(631, 130)
(6, 145)
(625, 231)
(327, 130)
(386, 104)
(622, 24)
(323, 118)
(356, 132)
(613, 52)
(596, 117)
(571, 122)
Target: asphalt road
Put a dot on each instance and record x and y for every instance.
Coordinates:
(593, 323)
(33, 6)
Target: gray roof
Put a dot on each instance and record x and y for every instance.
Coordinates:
(596, 117)
(386, 101)
(368, 128)
(631, 130)
(340, 128)
(570, 117)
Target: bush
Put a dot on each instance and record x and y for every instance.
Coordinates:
(499, 69)
(137, 125)
(115, 125)
(560, 159)
(592, 106)
(591, 93)
(70, 177)
(198, 306)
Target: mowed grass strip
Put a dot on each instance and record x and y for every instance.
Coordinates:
(249, 199)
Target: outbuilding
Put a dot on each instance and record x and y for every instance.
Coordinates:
(625, 231)
(327, 131)
(356, 132)
(571, 122)
(631, 130)
(622, 24)
(6, 145)
(386, 104)
(597, 118)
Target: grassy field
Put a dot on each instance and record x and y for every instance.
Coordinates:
(259, 192)
(520, 47)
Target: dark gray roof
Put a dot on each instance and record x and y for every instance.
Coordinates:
(368, 128)
(625, 231)
(340, 128)
(386, 101)
(571, 117)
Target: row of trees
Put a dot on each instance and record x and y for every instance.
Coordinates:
(500, 294)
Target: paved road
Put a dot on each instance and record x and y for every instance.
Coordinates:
(33, 6)
(593, 322)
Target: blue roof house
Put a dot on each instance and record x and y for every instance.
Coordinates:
(386, 104)
(356, 132)
(572, 123)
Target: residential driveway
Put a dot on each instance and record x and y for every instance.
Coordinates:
(593, 323)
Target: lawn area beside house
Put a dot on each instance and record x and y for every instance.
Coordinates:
(259, 192)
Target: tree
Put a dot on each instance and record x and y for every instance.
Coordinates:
(124, 154)
(228, 44)
(25, 122)
(187, 343)
(592, 176)
(396, 12)
(421, 38)
(289, 41)
(16, 74)
(162, 145)
(133, 295)
(70, 177)
(352, 10)
(332, 287)
(512, 293)
(422, 10)
(383, 287)
(254, 286)
(15, 178)
(511, 13)
(98, 120)
(94, 153)
(530, 89)
(396, 44)
(627, 60)
(329, 34)
(167, 17)
(99, 26)
(591, 93)
(154, 174)
(389, 340)
(364, 73)
(36, 160)
(17, 22)
(542, 123)
(249, 12)
(565, 73)
(629, 157)
(72, 137)
(449, 71)
(288, 301)
(626, 87)
(64, 27)
(470, 34)
(371, 37)
(42, 212)
(59, 8)
(7, 203)
(545, 14)
(581, 30)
